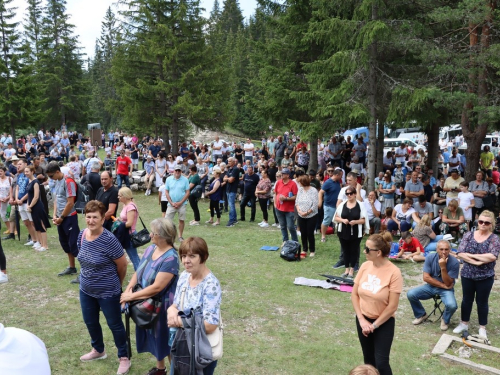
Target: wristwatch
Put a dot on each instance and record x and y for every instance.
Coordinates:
(62, 217)
(374, 325)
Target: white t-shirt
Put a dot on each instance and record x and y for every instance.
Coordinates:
(400, 215)
(369, 210)
(343, 197)
(162, 191)
(465, 201)
(217, 144)
(401, 154)
(9, 152)
(248, 147)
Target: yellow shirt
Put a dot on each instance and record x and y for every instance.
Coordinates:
(486, 159)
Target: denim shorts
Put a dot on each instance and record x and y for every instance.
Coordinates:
(329, 213)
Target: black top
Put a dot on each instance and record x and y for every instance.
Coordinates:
(350, 231)
(107, 197)
(272, 174)
(233, 187)
(250, 183)
(239, 157)
(94, 179)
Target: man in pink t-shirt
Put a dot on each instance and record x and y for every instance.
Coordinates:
(285, 192)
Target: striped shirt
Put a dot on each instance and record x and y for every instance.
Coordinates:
(99, 276)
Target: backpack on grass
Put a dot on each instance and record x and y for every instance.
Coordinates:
(291, 251)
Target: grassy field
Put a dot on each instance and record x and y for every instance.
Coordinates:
(271, 325)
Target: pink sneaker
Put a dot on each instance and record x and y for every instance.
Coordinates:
(92, 356)
(124, 366)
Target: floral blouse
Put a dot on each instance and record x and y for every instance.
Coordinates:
(266, 185)
(206, 295)
(307, 200)
(470, 246)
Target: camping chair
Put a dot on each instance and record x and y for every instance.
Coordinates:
(438, 310)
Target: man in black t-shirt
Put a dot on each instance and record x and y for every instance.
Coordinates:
(94, 180)
(108, 195)
(232, 179)
(250, 181)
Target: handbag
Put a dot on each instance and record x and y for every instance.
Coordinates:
(140, 238)
(196, 192)
(215, 338)
(144, 312)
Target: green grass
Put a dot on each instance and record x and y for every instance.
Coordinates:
(271, 325)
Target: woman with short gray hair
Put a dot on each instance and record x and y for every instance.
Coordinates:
(157, 274)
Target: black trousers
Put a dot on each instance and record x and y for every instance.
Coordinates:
(350, 250)
(307, 227)
(377, 346)
(3, 260)
(263, 207)
(243, 204)
(214, 205)
(194, 205)
(480, 289)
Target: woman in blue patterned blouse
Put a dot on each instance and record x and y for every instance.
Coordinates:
(479, 251)
(157, 273)
(200, 287)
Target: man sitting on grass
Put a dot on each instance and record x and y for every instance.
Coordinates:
(413, 246)
(440, 272)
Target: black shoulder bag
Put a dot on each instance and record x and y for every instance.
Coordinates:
(140, 238)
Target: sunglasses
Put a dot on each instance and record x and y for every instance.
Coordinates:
(482, 222)
(367, 249)
(350, 193)
(440, 212)
(330, 171)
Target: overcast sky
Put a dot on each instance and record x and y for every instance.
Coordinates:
(87, 16)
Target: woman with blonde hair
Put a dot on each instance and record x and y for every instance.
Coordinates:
(453, 219)
(479, 251)
(215, 194)
(364, 370)
(129, 216)
(425, 235)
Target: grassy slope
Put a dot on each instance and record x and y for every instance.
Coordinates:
(271, 325)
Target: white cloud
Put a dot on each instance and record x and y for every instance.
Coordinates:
(87, 16)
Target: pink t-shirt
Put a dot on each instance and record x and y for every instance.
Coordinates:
(123, 215)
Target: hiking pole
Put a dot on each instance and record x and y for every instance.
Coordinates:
(192, 370)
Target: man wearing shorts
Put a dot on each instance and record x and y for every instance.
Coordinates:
(65, 216)
(328, 196)
(21, 197)
(177, 193)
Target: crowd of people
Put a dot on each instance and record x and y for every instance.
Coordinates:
(409, 201)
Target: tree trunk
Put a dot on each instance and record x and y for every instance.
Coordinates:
(313, 160)
(166, 138)
(175, 134)
(372, 98)
(433, 146)
(380, 141)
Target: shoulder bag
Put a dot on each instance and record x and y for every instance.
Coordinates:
(140, 238)
(196, 192)
(144, 312)
(215, 338)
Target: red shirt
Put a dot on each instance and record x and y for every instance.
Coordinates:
(495, 175)
(300, 145)
(412, 247)
(285, 189)
(123, 164)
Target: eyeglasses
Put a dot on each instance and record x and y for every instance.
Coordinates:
(367, 249)
(482, 222)
(440, 212)
(350, 193)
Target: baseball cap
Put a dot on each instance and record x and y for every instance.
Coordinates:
(177, 167)
(285, 170)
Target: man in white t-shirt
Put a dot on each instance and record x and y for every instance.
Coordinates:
(373, 207)
(249, 150)
(401, 153)
(217, 149)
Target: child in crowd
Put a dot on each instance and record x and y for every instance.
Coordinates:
(364, 370)
(410, 244)
(162, 198)
(387, 217)
(387, 236)
(466, 201)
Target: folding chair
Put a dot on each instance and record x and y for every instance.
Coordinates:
(438, 310)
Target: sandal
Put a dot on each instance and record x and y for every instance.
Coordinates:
(214, 224)
(209, 222)
(323, 240)
(303, 255)
(344, 275)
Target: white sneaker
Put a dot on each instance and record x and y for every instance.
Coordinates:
(149, 191)
(460, 328)
(278, 226)
(482, 333)
(37, 245)
(265, 225)
(146, 193)
(274, 225)
(298, 233)
(262, 222)
(29, 243)
(41, 248)
(3, 278)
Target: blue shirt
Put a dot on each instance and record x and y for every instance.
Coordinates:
(98, 275)
(177, 188)
(154, 150)
(446, 157)
(431, 266)
(22, 182)
(332, 190)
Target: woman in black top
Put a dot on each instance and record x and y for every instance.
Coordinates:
(350, 230)
(238, 153)
(39, 217)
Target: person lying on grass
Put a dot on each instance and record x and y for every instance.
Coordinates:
(412, 245)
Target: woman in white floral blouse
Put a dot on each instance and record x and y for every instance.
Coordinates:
(306, 204)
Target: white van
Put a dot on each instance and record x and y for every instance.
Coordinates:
(393, 143)
(417, 137)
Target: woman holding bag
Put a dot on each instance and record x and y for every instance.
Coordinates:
(129, 215)
(200, 290)
(157, 274)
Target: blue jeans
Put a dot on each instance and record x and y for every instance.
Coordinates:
(119, 178)
(286, 222)
(425, 292)
(112, 312)
(249, 158)
(133, 256)
(231, 199)
(431, 247)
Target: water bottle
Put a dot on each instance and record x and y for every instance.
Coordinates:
(171, 336)
(9, 208)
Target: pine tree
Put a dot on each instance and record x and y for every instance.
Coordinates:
(61, 67)
(167, 74)
(20, 92)
(231, 18)
(32, 26)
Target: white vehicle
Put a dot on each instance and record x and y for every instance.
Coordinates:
(393, 143)
(488, 141)
(417, 137)
(450, 132)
